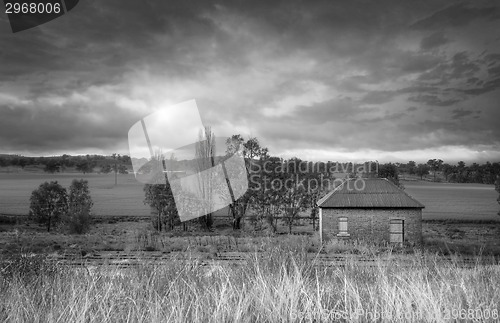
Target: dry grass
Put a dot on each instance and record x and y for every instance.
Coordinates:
(455, 201)
(148, 240)
(124, 199)
(276, 286)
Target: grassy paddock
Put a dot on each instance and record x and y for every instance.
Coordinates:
(109, 200)
(455, 201)
(274, 286)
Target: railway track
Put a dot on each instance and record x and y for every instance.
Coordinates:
(122, 259)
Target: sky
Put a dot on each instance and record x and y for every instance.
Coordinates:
(319, 80)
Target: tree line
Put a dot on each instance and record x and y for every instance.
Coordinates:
(278, 189)
(286, 189)
(84, 164)
(486, 173)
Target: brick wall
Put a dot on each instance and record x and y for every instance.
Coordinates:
(372, 224)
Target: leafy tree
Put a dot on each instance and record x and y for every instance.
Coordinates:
(447, 170)
(85, 166)
(283, 189)
(41, 160)
(301, 185)
(390, 171)
(126, 159)
(122, 169)
(254, 155)
(160, 197)
(48, 203)
(320, 185)
(267, 191)
(116, 157)
(422, 169)
(79, 206)
(52, 166)
(23, 161)
(475, 173)
(488, 173)
(14, 160)
(411, 166)
(156, 196)
(462, 173)
(67, 160)
(435, 165)
(497, 188)
(106, 169)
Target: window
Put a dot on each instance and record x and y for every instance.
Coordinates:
(343, 227)
(397, 230)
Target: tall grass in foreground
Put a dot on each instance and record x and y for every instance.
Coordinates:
(274, 286)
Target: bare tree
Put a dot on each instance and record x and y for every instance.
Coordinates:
(205, 160)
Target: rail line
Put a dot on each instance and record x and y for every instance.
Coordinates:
(122, 259)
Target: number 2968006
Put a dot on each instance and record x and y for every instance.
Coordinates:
(32, 7)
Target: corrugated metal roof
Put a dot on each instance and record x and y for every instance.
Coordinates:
(368, 193)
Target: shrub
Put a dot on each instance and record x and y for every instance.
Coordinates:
(161, 199)
(148, 241)
(336, 246)
(79, 222)
(79, 207)
(48, 203)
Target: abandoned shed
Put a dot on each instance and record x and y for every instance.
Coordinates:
(370, 209)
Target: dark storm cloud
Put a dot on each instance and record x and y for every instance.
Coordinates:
(379, 97)
(456, 15)
(335, 110)
(63, 128)
(434, 40)
(484, 87)
(111, 35)
(298, 74)
(432, 100)
(89, 52)
(437, 133)
(458, 67)
(458, 78)
(460, 113)
(494, 71)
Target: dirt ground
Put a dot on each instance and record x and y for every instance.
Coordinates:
(468, 237)
(465, 237)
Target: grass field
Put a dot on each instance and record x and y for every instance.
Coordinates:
(124, 199)
(441, 200)
(455, 201)
(279, 283)
(276, 286)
